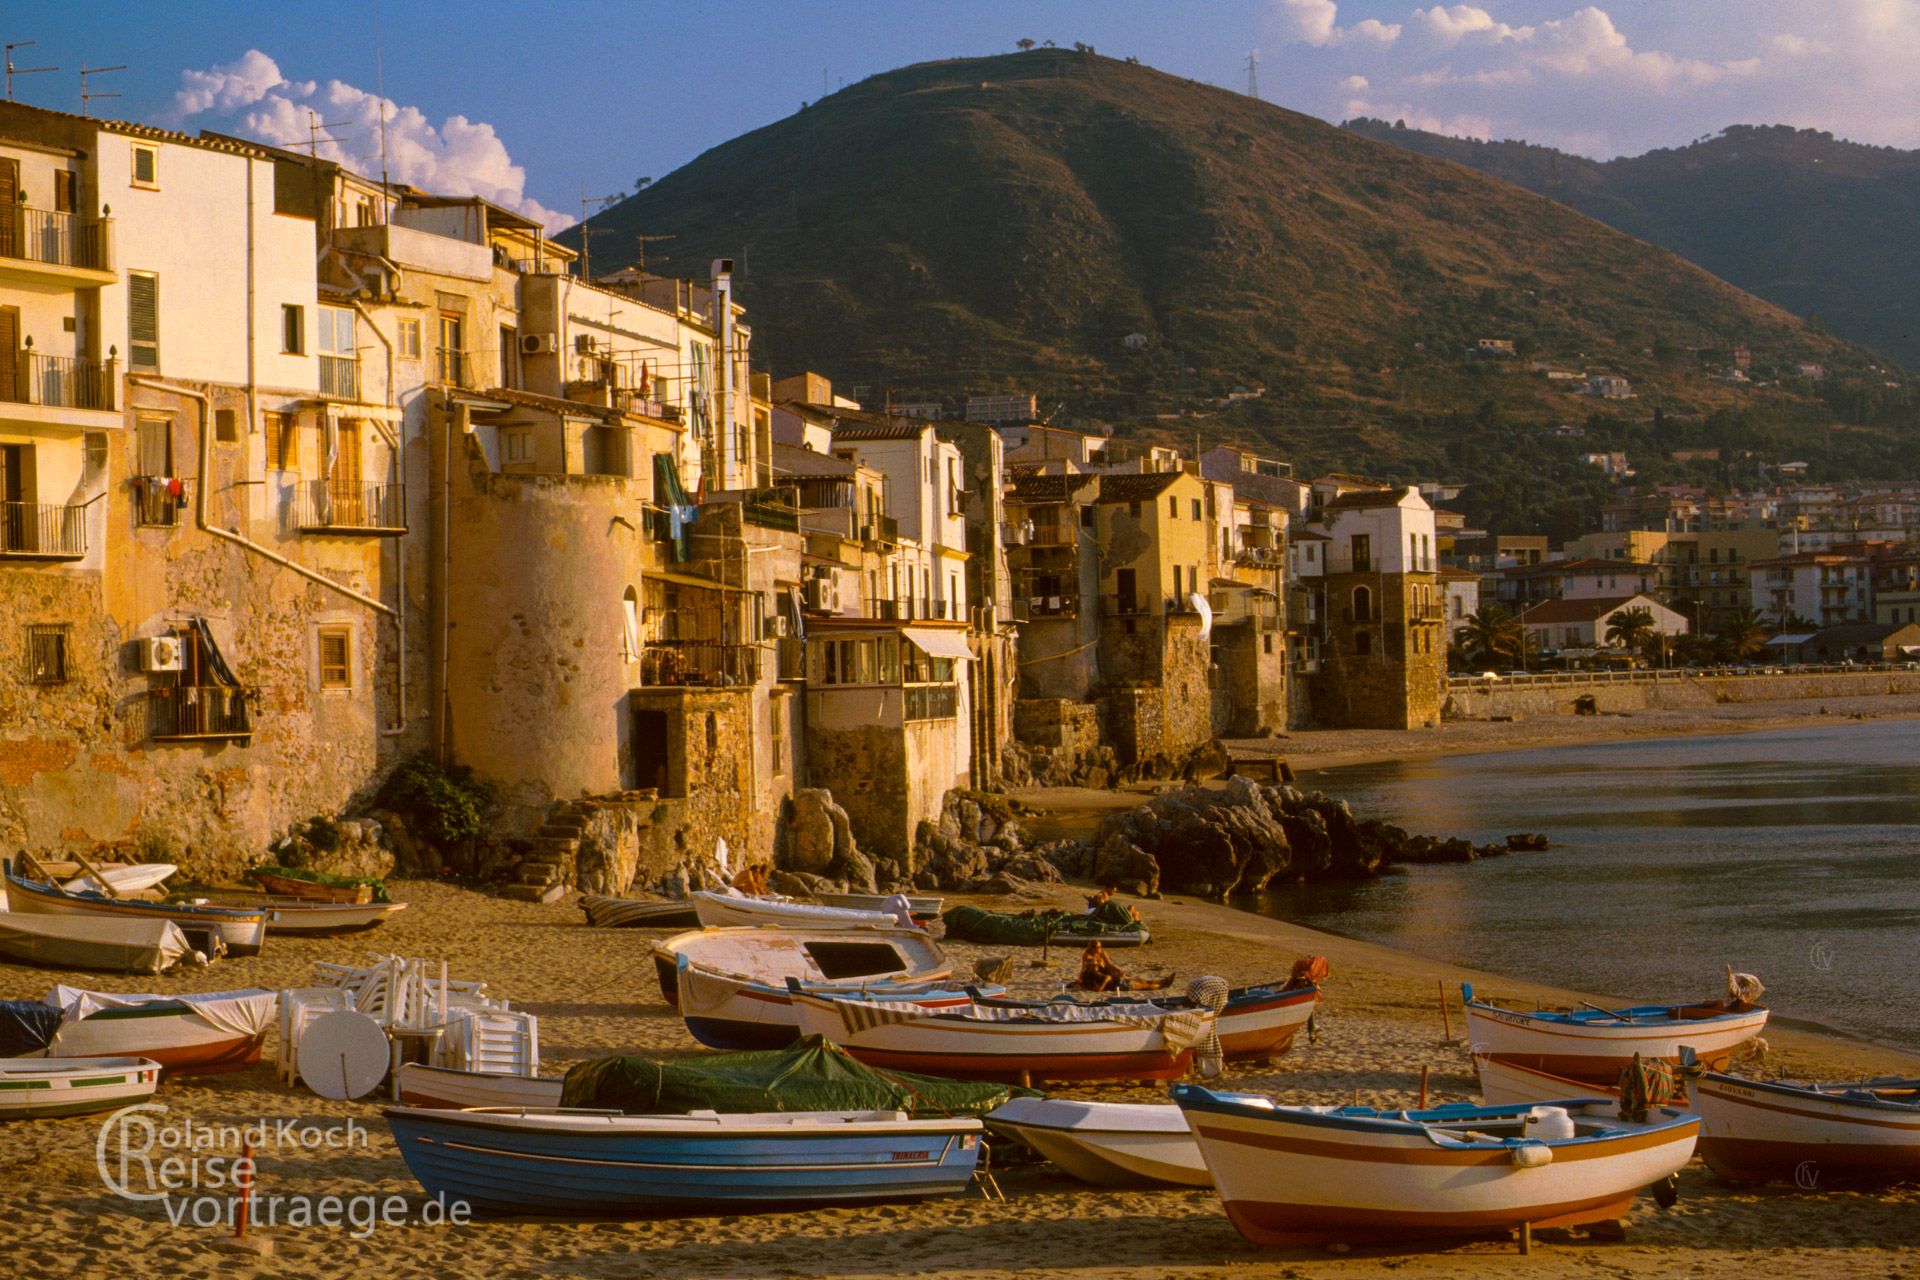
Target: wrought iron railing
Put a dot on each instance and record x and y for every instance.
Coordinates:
(157, 500)
(63, 382)
(1058, 606)
(453, 368)
(367, 508)
(54, 237)
(177, 712)
(698, 662)
(31, 530)
(340, 377)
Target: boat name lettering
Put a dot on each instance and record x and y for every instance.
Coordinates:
(911, 1155)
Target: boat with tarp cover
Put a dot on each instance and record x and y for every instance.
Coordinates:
(189, 1032)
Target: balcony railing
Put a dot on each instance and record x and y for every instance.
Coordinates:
(454, 369)
(61, 382)
(181, 712)
(340, 377)
(767, 515)
(322, 507)
(881, 531)
(31, 531)
(1260, 557)
(1054, 535)
(53, 237)
(157, 500)
(699, 663)
(931, 701)
(1051, 606)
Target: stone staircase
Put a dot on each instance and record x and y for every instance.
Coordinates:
(549, 869)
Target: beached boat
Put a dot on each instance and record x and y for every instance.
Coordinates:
(1595, 1045)
(596, 1164)
(723, 1011)
(327, 919)
(993, 1042)
(418, 1085)
(1504, 1083)
(122, 880)
(1257, 1022)
(197, 1032)
(111, 944)
(735, 910)
(1110, 1144)
(35, 1088)
(923, 906)
(772, 955)
(1302, 1176)
(635, 913)
(241, 930)
(1811, 1134)
(286, 886)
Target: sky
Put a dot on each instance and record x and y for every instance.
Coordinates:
(537, 105)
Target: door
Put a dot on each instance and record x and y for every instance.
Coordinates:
(453, 349)
(11, 379)
(9, 209)
(1123, 582)
(13, 514)
(349, 507)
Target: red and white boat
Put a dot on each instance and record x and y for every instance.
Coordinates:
(198, 1032)
(1258, 1021)
(1596, 1045)
(1811, 1134)
(1302, 1176)
(984, 1041)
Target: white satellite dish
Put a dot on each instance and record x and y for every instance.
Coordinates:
(1205, 610)
(343, 1055)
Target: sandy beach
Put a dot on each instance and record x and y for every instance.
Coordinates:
(595, 994)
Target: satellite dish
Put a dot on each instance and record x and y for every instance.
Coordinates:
(343, 1055)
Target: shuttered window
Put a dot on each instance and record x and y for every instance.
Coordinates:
(143, 320)
(293, 330)
(156, 446)
(336, 653)
(146, 166)
(46, 653)
(283, 442)
(66, 185)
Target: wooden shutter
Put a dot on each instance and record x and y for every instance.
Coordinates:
(65, 188)
(10, 379)
(9, 208)
(336, 670)
(345, 480)
(143, 321)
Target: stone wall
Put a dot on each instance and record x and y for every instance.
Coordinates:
(1397, 682)
(1250, 680)
(1676, 690)
(866, 769)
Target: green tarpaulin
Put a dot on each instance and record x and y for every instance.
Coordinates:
(1109, 923)
(809, 1075)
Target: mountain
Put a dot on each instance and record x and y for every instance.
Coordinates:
(1819, 225)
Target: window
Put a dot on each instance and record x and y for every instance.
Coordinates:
(516, 446)
(1362, 605)
(66, 190)
(146, 166)
(409, 339)
(1362, 644)
(1196, 508)
(1173, 507)
(1266, 642)
(46, 653)
(156, 446)
(293, 330)
(630, 626)
(336, 331)
(510, 355)
(452, 349)
(282, 442)
(226, 426)
(143, 320)
(1362, 553)
(336, 658)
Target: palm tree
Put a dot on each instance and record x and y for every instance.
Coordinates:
(1744, 634)
(1491, 633)
(1629, 628)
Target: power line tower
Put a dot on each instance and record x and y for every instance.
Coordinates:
(1253, 73)
(13, 71)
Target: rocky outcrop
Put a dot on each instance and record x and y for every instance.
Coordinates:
(816, 839)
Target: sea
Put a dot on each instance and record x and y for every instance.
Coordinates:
(1790, 854)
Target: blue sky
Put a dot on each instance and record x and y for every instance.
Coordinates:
(524, 103)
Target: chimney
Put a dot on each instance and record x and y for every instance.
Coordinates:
(723, 416)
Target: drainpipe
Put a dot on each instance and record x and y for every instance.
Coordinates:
(253, 382)
(397, 439)
(200, 498)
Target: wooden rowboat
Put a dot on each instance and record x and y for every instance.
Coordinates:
(734, 910)
(1810, 1134)
(1257, 1022)
(417, 1085)
(637, 913)
(327, 919)
(1110, 1144)
(241, 930)
(1504, 1083)
(36, 1088)
(307, 890)
(1302, 1176)
(199, 1032)
(112, 944)
(1596, 1045)
(122, 880)
(771, 955)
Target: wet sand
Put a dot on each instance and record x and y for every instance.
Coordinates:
(595, 994)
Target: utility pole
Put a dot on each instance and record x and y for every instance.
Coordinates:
(13, 71)
(86, 94)
(1253, 73)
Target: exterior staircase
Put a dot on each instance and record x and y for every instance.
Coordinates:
(550, 867)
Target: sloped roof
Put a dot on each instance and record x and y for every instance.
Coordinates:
(792, 460)
(1363, 498)
(1136, 486)
(1564, 610)
(1036, 487)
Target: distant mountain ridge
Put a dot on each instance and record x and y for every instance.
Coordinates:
(1821, 226)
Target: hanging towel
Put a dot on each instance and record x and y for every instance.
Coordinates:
(215, 660)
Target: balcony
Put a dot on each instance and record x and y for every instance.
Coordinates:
(379, 510)
(52, 247)
(1260, 558)
(931, 701)
(157, 501)
(454, 369)
(340, 377)
(62, 382)
(32, 531)
(1054, 535)
(699, 663)
(200, 712)
(1066, 606)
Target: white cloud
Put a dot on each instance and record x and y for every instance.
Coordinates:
(1465, 20)
(459, 156)
(1316, 23)
(1354, 84)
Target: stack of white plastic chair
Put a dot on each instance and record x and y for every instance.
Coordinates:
(496, 1041)
(479, 1033)
(298, 1007)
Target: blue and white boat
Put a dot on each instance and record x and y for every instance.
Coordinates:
(1593, 1045)
(604, 1164)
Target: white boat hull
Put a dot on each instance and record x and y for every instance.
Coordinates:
(319, 919)
(721, 911)
(1108, 1144)
(422, 1086)
(1505, 1083)
(36, 1088)
(1597, 1053)
(112, 944)
(214, 1031)
(1754, 1131)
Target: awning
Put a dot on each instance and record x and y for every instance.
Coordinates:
(939, 644)
(688, 580)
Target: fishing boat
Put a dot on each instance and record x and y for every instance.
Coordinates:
(122, 880)
(241, 930)
(1300, 1176)
(1110, 1144)
(327, 919)
(1812, 1134)
(735, 910)
(600, 1164)
(984, 1041)
(198, 1032)
(923, 906)
(1504, 1083)
(772, 955)
(724, 1011)
(418, 1085)
(1257, 1021)
(286, 886)
(111, 944)
(36, 1088)
(1594, 1045)
(635, 913)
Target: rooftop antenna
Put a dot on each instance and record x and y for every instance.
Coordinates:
(13, 71)
(587, 233)
(641, 241)
(1253, 73)
(316, 127)
(380, 87)
(86, 94)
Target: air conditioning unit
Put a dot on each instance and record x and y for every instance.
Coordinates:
(776, 626)
(160, 653)
(824, 594)
(539, 344)
(583, 343)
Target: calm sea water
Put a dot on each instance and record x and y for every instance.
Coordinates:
(1794, 855)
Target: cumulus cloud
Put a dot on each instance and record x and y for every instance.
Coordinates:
(1578, 76)
(458, 156)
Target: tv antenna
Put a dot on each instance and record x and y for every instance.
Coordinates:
(317, 130)
(86, 94)
(641, 242)
(1253, 73)
(13, 71)
(587, 233)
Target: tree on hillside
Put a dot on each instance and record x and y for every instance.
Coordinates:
(1744, 635)
(1629, 628)
(1023, 45)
